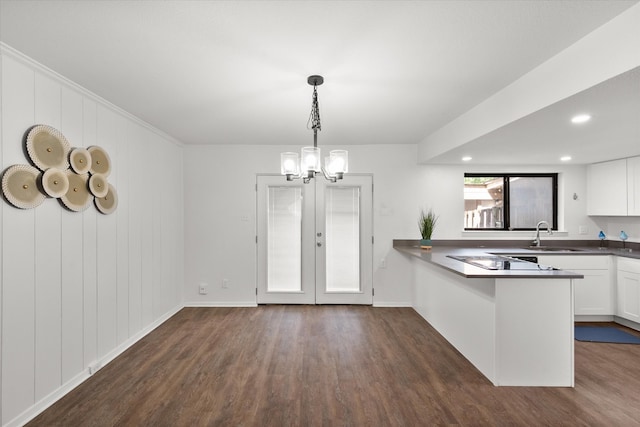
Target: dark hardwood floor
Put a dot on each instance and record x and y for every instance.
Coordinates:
(332, 365)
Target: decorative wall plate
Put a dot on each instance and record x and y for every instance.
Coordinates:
(77, 197)
(100, 161)
(98, 185)
(55, 182)
(80, 160)
(108, 203)
(19, 186)
(47, 148)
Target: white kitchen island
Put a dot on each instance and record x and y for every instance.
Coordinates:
(515, 327)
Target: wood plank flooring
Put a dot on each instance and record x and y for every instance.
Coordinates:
(332, 366)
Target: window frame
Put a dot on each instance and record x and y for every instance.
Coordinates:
(506, 195)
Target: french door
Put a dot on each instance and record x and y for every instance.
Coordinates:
(315, 240)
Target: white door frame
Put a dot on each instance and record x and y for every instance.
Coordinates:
(313, 256)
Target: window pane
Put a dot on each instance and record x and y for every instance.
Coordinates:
(483, 202)
(284, 239)
(343, 239)
(530, 201)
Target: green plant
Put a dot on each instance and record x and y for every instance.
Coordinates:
(426, 223)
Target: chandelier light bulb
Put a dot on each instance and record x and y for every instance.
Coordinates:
(339, 160)
(311, 159)
(289, 164)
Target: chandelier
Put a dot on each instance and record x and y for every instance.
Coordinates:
(308, 164)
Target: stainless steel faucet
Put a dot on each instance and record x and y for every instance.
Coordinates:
(536, 241)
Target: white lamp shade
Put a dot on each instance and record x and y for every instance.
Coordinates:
(310, 160)
(289, 163)
(327, 165)
(338, 161)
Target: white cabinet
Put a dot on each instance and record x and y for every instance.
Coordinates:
(594, 294)
(607, 188)
(633, 186)
(628, 306)
(613, 188)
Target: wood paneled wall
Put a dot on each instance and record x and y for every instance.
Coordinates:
(78, 288)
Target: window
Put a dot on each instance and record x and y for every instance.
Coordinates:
(509, 201)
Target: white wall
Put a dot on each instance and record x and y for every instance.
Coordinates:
(220, 213)
(78, 288)
(220, 195)
(612, 226)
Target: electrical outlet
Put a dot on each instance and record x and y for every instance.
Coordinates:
(225, 283)
(383, 263)
(583, 230)
(204, 289)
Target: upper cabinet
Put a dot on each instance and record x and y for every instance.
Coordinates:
(633, 186)
(613, 188)
(607, 188)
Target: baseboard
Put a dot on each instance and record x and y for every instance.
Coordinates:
(100, 363)
(81, 377)
(392, 304)
(254, 304)
(48, 400)
(221, 304)
(628, 323)
(593, 318)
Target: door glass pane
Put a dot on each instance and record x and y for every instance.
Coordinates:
(342, 209)
(284, 239)
(530, 201)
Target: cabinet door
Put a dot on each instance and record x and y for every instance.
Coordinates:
(576, 262)
(593, 293)
(629, 295)
(607, 188)
(633, 186)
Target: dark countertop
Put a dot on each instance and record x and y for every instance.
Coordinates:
(438, 255)
(549, 247)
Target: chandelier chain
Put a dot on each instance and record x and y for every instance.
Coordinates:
(314, 117)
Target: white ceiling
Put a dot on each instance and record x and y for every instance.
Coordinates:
(234, 72)
(548, 134)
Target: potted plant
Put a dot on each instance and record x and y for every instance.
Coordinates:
(426, 223)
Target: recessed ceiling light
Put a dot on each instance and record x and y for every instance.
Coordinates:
(565, 158)
(466, 158)
(580, 118)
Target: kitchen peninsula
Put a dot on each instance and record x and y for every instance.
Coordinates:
(514, 325)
